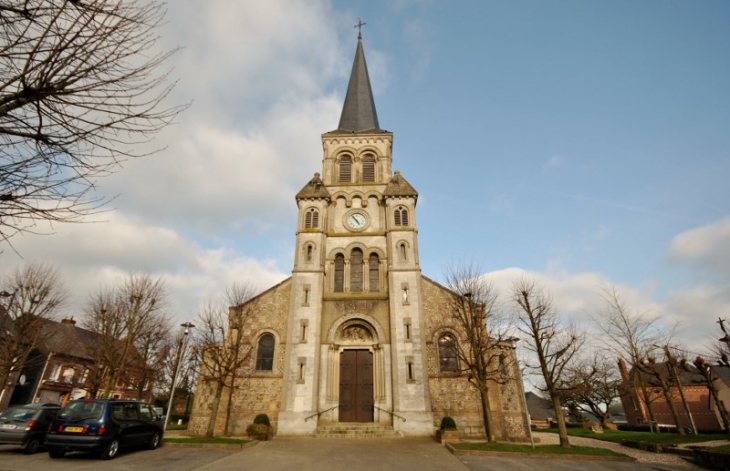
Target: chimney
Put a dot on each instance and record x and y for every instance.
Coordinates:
(622, 368)
(69, 321)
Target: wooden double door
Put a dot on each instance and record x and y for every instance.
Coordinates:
(356, 386)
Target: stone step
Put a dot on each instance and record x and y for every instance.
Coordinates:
(356, 430)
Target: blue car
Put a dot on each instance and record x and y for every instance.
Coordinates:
(103, 426)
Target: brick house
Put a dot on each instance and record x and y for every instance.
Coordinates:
(61, 368)
(701, 406)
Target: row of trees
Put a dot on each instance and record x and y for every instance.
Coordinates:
(560, 351)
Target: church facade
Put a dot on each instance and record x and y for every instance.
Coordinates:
(357, 334)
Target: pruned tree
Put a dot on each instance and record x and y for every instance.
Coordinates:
(704, 369)
(33, 295)
(483, 335)
(82, 87)
(631, 336)
(594, 385)
(554, 343)
(658, 376)
(121, 317)
(221, 348)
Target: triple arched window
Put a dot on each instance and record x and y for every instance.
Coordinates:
(357, 273)
(400, 216)
(448, 359)
(311, 219)
(265, 353)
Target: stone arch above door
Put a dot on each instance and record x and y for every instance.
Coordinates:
(356, 329)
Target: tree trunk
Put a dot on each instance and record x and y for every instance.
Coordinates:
(487, 416)
(562, 429)
(718, 402)
(214, 409)
(673, 409)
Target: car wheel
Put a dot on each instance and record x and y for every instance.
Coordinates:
(111, 449)
(56, 453)
(32, 446)
(154, 441)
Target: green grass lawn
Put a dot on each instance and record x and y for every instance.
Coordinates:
(538, 450)
(618, 435)
(199, 440)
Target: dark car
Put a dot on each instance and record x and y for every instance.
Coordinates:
(27, 425)
(103, 426)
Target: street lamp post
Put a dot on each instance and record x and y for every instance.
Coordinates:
(187, 326)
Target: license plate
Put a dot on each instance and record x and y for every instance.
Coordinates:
(8, 426)
(74, 429)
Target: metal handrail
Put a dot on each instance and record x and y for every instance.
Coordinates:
(389, 412)
(320, 413)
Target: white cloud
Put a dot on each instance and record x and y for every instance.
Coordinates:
(707, 248)
(553, 161)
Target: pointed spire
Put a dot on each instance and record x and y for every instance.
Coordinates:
(358, 112)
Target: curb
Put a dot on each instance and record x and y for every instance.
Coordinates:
(210, 445)
(509, 454)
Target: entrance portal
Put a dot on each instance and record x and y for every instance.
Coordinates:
(356, 386)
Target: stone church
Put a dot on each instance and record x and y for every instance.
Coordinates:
(357, 334)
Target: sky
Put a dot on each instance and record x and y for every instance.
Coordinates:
(584, 143)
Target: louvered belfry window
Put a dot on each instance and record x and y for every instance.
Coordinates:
(368, 170)
(311, 219)
(356, 270)
(374, 269)
(401, 217)
(339, 273)
(346, 169)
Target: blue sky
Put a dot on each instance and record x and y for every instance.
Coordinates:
(584, 142)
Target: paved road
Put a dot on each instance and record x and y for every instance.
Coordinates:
(304, 454)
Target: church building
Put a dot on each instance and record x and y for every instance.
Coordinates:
(357, 335)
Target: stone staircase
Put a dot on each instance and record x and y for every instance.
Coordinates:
(356, 430)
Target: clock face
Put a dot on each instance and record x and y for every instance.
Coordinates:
(356, 221)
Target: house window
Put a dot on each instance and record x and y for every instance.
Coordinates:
(265, 353)
(448, 361)
(400, 215)
(339, 273)
(356, 269)
(368, 169)
(311, 219)
(374, 272)
(345, 170)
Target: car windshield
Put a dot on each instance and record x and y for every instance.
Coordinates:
(18, 414)
(82, 411)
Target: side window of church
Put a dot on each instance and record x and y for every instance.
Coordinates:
(368, 170)
(346, 169)
(265, 353)
(311, 219)
(339, 273)
(401, 216)
(448, 361)
(374, 269)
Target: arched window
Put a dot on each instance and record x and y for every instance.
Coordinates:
(368, 169)
(402, 251)
(265, 353)
(345, 170)
(356, 270)
(310, 249)
(448, 361)
(311, 219)
(401, 216)
(339, 273)
(374, 272)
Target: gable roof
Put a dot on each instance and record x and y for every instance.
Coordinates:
(398, 186)
(314, 189)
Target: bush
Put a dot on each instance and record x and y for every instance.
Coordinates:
(258, 431)
(447, 423)
(262, 419)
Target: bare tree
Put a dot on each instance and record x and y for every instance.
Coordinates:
(221, 348)
(555, 344)
(483, 335)
(33, 294)
(152, 348)
(658, 376)
(704, 369)
(593, 387)
(81, 88)
(631, 336)
(121, 317)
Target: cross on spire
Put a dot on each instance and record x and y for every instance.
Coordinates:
(359, 26)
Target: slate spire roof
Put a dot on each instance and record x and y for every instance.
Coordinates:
(358, 112)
